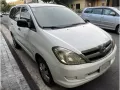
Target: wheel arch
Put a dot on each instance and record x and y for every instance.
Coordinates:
(116, 26)
(117, 29)
(38, 56)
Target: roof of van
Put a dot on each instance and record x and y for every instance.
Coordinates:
(40, 4)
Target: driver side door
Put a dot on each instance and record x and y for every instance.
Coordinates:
(27, 32)
(24, 31)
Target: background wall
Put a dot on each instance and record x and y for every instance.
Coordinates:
(74, 2)
(100, 3)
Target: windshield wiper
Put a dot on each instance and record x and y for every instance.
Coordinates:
(52, 27)
(56, 27)
(76, 24)
(72, 25)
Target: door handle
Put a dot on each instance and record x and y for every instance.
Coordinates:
(19, 29)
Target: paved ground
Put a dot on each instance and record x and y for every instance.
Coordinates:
(108, 81)
(11, 76)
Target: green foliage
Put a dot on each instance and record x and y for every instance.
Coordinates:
(4, 6)
(3, 2)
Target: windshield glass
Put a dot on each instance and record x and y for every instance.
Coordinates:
(55, 16)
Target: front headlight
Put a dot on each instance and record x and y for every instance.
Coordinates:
(68, 57)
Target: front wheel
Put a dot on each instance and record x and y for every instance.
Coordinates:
(118, 29)
(45, 73)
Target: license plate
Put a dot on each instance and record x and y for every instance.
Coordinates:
(104, 66)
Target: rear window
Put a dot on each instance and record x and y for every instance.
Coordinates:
(88, 10)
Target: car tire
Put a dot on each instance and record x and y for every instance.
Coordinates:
(16, 45)
(45, 72)
(118, 29)
(87, 21)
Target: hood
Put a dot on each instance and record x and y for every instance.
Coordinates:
(81, 37)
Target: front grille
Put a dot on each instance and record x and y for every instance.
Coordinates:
(98, 52)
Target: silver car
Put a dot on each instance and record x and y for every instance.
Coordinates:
(104, 17)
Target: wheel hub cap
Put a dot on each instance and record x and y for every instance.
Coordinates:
(44, 72)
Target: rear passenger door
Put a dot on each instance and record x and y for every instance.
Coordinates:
(96, 16)
(108, 21)
(86, 15)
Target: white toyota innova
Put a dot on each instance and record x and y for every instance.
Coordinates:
(68, 51)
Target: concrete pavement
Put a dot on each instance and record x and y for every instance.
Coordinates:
(11, 76)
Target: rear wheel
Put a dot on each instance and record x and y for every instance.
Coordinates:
(45, 73)
(118, 29)
(16, 45)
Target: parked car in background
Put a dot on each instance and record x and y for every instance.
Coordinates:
(68, 50)
(104, 17)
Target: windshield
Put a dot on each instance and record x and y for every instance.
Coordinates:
(54, 16)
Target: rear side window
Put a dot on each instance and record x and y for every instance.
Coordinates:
(15, 13)
(89, 10)
(97, 11)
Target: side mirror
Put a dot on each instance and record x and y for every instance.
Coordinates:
(113, 14)
(22, 23)
(1, 15)
(87, 21)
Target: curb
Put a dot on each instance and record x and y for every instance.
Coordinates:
(24, 71)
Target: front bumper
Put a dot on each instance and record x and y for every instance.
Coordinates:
(70, 76)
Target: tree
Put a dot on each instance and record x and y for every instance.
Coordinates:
(63, 2)
(3, 2)
(4, 6)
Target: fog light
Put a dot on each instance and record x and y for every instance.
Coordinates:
(71, 78)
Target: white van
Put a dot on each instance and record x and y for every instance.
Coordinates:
(68, 51)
